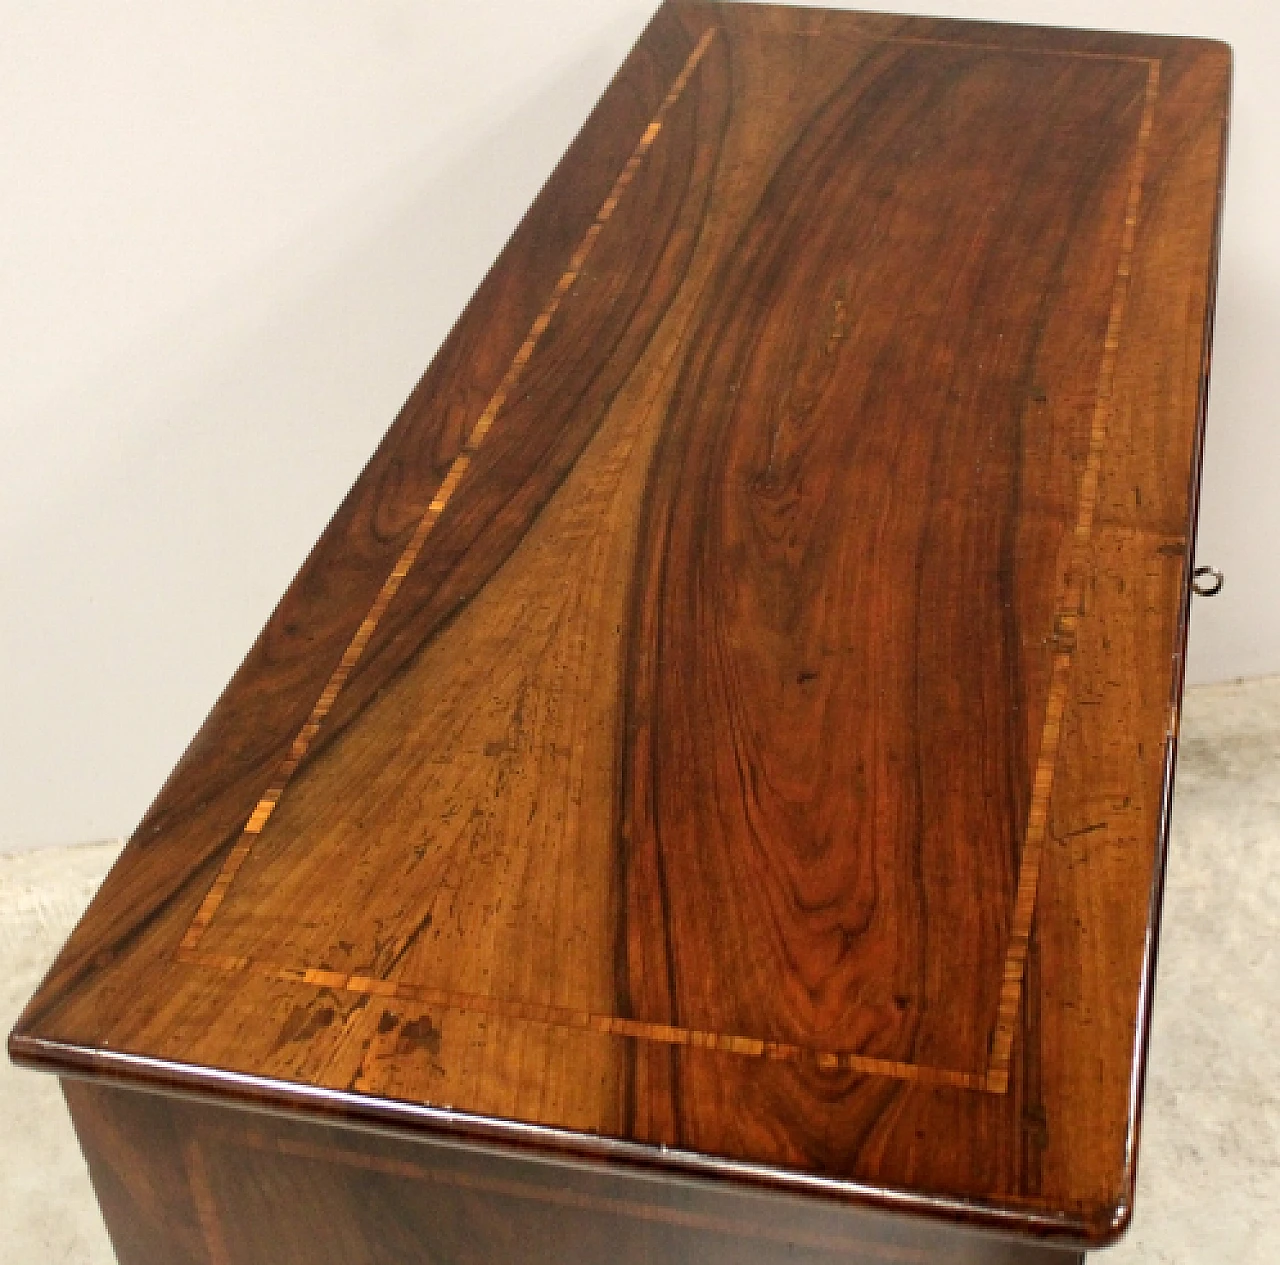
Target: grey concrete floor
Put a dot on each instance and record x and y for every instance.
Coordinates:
(1209, 1181)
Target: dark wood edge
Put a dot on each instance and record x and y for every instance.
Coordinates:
(1146, 995)
(514, 1139)
(1093, 1229)
(38, 1003)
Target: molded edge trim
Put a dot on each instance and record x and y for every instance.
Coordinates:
(516, 1139)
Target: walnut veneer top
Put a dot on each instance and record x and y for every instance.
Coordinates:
(734, 709)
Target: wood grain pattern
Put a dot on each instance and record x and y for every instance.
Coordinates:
(435, 507)
(1066, 623)
(733, 712)
(245, 1189)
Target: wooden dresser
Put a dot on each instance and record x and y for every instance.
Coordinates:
(705, 796)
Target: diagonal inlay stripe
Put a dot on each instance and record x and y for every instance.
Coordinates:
(1066, 625)
(995, 1078)
(453, 478)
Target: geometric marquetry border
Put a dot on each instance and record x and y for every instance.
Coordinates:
(995, 1077)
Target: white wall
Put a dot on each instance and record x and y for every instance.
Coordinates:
(232, 236)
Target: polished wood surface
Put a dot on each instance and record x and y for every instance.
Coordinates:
(186, 1184)
(729, 726)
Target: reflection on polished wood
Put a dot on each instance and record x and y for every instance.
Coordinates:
(225, 1187)
(727, 730)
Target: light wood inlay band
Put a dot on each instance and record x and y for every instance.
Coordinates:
(483, 424)
(995, 1079)
(1066, 625)
(605, 1025)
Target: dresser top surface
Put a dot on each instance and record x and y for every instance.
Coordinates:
(729, 725)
